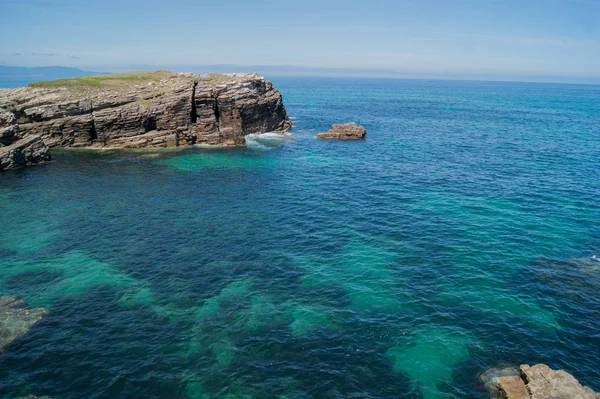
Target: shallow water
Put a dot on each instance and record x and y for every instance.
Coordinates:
(457, 237)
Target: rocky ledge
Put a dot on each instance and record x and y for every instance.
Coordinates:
(16, 319)
(136, 110)
(29, 150)
(535, 382)
(344, 131)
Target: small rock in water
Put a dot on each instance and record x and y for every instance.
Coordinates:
(16, 319)
(344, 131)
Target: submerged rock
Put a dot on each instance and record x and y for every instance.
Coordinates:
(29, 150)
(146, 109)
(535, 382)
(344, 131)
(16, 319)
(491, 377)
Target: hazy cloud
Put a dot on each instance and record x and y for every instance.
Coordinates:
(34, 54)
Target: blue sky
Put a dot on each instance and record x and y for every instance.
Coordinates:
(526, 38)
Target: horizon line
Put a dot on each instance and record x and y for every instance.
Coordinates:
(288, 70)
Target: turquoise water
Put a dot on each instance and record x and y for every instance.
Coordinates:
(457, 237)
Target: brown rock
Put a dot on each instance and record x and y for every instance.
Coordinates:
(512, 387)
(344, 131)
(30, 150)
(537, 382)
(491, 376)
(145, 109)
(545, 383)
(153, 139)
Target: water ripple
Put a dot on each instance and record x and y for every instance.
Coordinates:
(457, 237)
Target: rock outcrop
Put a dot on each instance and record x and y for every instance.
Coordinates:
(344, 131)
(149, 109)
(30, 150)
(16, 319)
(545, 383)
(16, 149)
(535, 382)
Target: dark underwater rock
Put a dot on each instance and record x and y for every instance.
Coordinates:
(16, 319)
(344, 131)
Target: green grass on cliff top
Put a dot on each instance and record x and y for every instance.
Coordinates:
(115, 80)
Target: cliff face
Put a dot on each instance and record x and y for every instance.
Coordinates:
(136, 110)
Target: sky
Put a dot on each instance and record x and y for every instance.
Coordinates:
(527, 39)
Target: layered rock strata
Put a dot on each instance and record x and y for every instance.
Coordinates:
(344, 131)
(136, 110)
(29, 150)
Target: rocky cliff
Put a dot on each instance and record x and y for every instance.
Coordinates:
(136, 110)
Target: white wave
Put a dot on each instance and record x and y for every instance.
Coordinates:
(267, 141)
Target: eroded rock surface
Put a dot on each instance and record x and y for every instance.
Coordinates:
(149, 109)
(16, 319)
(545, 383)
(512, 387)
(29, 150)
(344, 131)
(491, 377)
(535, 382)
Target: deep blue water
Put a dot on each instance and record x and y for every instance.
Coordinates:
(10, 83)
(459, 236)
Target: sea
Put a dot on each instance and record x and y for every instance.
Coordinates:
(463, 234)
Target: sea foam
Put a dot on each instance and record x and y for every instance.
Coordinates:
(267, 141)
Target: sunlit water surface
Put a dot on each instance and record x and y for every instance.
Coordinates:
(457, 237)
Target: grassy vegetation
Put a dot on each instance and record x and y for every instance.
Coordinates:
(113, 80)
(125, 80)
(218, 78)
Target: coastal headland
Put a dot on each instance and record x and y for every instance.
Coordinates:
(136, 110)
